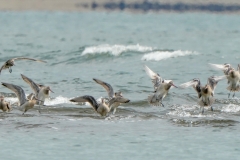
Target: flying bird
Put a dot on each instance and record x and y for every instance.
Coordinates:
(206, 92)
(40, 91)
(232, 75)
(24, 104)
(10, 63)
(112, 95)
(161, 87)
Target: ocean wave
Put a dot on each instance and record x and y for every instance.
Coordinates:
(115, 50)
(49, 102)
(161, 55)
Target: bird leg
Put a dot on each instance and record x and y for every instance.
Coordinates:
(211, 108)
(162, 104)
(203, 110)
(39, 110)
(114, 110)
(208, 101)
(10, 70)
(229, 94)
(233, 94)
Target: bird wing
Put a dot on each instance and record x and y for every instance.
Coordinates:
(24, 58)
(224, 67)
(107, 86)
(32, 84)
(3, 66)
(18, 91)
(213, 80)
(86, 98)
(238, 68)
(118, 99)
(156, 79)
(195, 83)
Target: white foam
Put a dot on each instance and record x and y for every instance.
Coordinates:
(57, 100)
(231, 108)
(115, 50)
(161, 55)
(12, 100)
(179, 113)
(48, 102)
(189, 111)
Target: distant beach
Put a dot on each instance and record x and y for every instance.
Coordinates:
(130, 5)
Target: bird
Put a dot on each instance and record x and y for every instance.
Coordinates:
(10, 63)
(206, 92)
(161, 87)
(102, 108)
(24, 104)
(40, 91)
(112, 95)
(232, 75)
(4, 106)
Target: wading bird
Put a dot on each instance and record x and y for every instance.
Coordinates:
(232, 75)
(112, 95)
(24, 104)
(206, 92)
(41, 92)
(4, 106)
(161, 87)
(102, 107)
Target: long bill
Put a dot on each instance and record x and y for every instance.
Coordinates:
(174, 85)
(51, 90)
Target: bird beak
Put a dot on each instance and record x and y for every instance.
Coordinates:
(51, 90)
(174, 86)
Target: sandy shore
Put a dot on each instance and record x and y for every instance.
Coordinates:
(85, 5)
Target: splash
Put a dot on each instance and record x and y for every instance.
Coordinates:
(189, 111)
(231, 108)
(115, 50)
(161, 55)
(12, 100)
(57, 100)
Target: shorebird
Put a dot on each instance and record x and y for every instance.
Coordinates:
(161, 87)
(112, 95)
(4, 106)
(232, 75)
(205, 93)
(24, 104)
(102, 107)
(41, 92)
(9, 63)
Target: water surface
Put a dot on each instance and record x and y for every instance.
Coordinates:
(114, 47)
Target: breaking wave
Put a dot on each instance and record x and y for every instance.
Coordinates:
(115, 50)
(161, 55)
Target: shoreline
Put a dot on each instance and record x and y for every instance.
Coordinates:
(217, 6)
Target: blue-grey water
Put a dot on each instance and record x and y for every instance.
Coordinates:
(114, 47)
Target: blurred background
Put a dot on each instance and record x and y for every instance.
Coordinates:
(131, 5)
